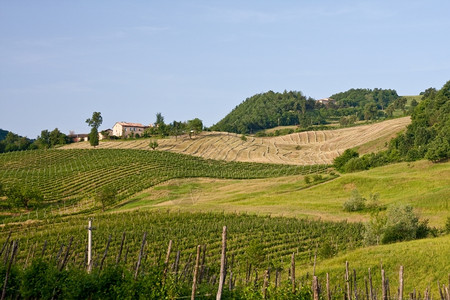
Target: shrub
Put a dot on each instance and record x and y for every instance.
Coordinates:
(398, 224)
(447, 225)
(341, 160)
(307, 179)
(355, 203)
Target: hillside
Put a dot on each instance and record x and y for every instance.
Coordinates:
(3, 134)
(304, 148)
(271, 109)
(422, 184)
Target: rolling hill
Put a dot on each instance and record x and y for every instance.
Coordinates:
(304, 148)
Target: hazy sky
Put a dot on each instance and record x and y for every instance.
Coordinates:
(62, 60)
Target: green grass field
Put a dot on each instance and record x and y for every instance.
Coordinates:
(424, 261)
(422, 184)
(188, 199)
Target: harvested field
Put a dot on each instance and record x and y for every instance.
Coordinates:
(305, 148)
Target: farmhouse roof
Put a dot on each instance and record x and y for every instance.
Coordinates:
(126, 124)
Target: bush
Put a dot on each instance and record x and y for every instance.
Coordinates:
(341, 160)
(447, 225)
(399, 224)
(355, 203)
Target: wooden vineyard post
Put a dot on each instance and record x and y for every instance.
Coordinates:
(370, 286)
(400, 284)
(347, 282)
(106, 252)
(328, 287)
(383, 286)
(66, 256)
(194, 280)
(166, 261)
(266, 283)
(120, 249)
(89, 249)
(316, 292)
(8, 269)
(222, 264)
(293, 272)
(141, 253)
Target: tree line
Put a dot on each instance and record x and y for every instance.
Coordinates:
(270, 109)
(428, 136)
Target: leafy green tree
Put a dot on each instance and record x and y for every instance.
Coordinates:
(105, 196)
(159, 119)
(195, 126)
(341, 160)
(95, 123)
(23, 196)
(96, 120)
(370, 111)
(177, 128)
(93, 137)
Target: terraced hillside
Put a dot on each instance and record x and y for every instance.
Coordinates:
(305, 148)
(77, 174)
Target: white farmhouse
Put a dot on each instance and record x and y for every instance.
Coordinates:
(124, 129)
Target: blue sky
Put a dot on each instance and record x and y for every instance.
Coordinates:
(62, 60)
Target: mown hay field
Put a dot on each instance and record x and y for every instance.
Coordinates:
(303, 148)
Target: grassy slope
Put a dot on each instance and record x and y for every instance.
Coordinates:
(422, 184)
(424, 261)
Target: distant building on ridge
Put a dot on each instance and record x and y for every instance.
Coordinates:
(327, 101)
(124, 129)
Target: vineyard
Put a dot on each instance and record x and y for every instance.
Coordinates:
(69, 176)
(255, 243)
(304, 148)
(263, 254)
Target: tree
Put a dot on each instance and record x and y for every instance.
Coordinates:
(96, 120)
(23, 196)
(153, 144)
(95, 123)
(93, 137)
(159, 119)
(341, 160)
(195, 126)
(370, 111)
(105, 196)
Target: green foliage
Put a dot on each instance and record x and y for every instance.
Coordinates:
(243, 138)
(153, 144)
(254, 254)
(50, 139)
(428, 136)
(307, 179)
(21, 196)
(360, 97)
(355, 203)
(341, 160)
(269, 110)
(195, 126)
(105, 196)
(93, 137)
(13, 142)
(398, 224)
(96, 120)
